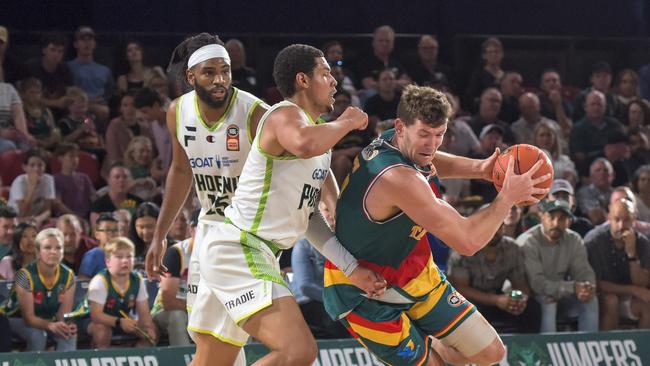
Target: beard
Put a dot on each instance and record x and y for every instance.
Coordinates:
(206, 96)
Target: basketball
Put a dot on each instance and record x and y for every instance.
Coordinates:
(525, 157)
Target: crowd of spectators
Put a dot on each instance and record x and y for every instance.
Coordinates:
(94, 149)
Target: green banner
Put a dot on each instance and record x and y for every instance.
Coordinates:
(631, 348)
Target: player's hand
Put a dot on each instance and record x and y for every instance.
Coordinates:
(518, 188)
(357, 118)
(487, 165)
(370, 282)
(153, 261)
(128, 325)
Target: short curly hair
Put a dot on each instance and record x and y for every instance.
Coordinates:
(424, 103)
(289, 62)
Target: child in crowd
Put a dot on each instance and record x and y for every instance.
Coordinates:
(94, 260)
(146, 170)
(78, 126)
(32, 194)
(73, 189)
(40, 121)
(118, 297)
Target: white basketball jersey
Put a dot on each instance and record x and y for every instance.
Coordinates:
(216, 153)
(276, 195)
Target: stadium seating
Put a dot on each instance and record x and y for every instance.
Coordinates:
(12, 165)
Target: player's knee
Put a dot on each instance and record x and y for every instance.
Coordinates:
(304, 354)
(493, 353)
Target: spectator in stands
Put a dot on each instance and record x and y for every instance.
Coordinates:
(123, 217)
(490, 138)
(344, 84)
(52, 72)
(13, 126)
(79, 126)
(638, 115)
(10, 67)
(32, 194)
(74, 189)
(511, 90)
(488, 74)
(149, 108)
(307, 284)
(180, 229)
(523, 128)
(620, 257)
(481, 278)
(115, 292)
(546, 137)
(43, 291)
(594, 197)
(552, 103)
(118, 196)
(383, 43)
(333, 51)
(243, 77)
(626, 89)
(39, 118)
(94, 260)
(383, 105)
(641, 189)
(465, 141)
(7, 224)
(426, 69)
(558, 270)
(157, 81)
(23, 250)
(145, 168)
(601, 80)
(512, 224)
(75, 243)
(589, 135)
(624, 192)
(170, 307)
(143, 224)
(95, 79)
(617, 151)
(488, 113)
(132, 71)
(562, 189)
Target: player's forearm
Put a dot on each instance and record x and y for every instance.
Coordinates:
(453, 166)
(323, 239)
(177, 188)
(479, 228)
(315, 140)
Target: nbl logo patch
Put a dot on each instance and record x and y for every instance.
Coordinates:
(232, 138)
(455, 299)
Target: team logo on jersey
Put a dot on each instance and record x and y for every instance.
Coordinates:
(38, 297)
(455, 299)
(369, 152)
(232, 138)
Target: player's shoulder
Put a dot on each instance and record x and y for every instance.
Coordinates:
(247, 98)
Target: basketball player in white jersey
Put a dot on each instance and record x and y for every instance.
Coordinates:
(241, 291)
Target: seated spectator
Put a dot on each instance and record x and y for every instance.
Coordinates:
(118, 196)
(589, 134)
(307, 265)
(39, 118)
(180, 230)
(170, 307)
(78, 126)
(481, 277)
(115, 292)
(488, 113)
(552, 103)
(94, 260)
(123, 217)
(624, 192)
(11, 69)
(75, 243)
(132, 71)
(383, 105)
(43, 291)
(243, 77)
(626, 89)
(158, 81)
(594, 197)
(333, 52)
(620, 257)
(145, 168)
(601, 81)
(7, 224)
(512, 224)
(13, 126)
(511, 91)
(23, 250)
(487, 75)
(32, 194)
(523, 128)
(490, 138)
(546, 137)
(562, 189)
(426, 69)
(52, 72)
(464, 141)
(339, 75)
(617, 151)
(74, 189)
(143, 225)
(383, 44)
(637, 116)
(639, 148)
(641, 189)
(558, 270)
(150, 109)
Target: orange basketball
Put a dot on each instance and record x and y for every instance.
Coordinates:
(525, 157)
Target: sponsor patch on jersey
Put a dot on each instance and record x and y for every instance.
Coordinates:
(369, 152)
(455, 299)
(232, 138)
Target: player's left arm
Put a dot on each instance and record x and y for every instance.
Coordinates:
(453, 166)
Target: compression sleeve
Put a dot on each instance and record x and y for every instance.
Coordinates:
(321, 237)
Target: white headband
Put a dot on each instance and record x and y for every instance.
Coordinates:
(206, 53)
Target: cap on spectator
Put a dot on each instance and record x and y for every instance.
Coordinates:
(84, 31)
(194, 219)
(601, 66)
(4, 34)
(554, 205)
(562, 185)
(489, 128)
(617, 137)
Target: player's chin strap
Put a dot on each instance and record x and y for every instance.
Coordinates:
(321, 237)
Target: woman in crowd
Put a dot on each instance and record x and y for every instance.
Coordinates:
(488, 75)
(134, 72)
(638, 115)
(641, 188)
(146, 170)
(143, 224)
(546, 137)
(43, 291)
(23, 249)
